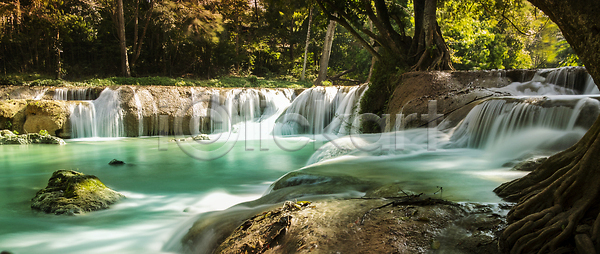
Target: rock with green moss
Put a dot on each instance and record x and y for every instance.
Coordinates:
(9, 138)
(70, 192)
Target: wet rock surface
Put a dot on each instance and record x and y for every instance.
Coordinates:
(9, 138)
(115, 162)
(530, 165)
(70, 192)
(369, 225)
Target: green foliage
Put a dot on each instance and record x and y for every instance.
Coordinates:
(496, 34)
(183, 39)
(44, 133)
(225, 81)
(15, 132)
(8, 125)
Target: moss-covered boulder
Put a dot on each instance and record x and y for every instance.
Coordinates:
(70, 192)
(9, 138)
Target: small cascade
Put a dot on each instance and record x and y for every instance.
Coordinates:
(40, 94)
(102, 117)
(500, 119)
(347, 112)
(72, 94)
(140, 114)
(322, 110)
(248, 111)
(147, 117)
(558, 81)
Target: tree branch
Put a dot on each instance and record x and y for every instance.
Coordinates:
(345, 24)
(504, 17)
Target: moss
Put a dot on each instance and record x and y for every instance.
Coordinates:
(83, 185)
(71, 192)
(386, 74)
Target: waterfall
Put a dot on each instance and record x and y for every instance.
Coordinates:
(322, 110)
(251, 112)
(40, 94)
(501, 118)
(72, 94)
(140, 113)
(102, 117)
(558, 81)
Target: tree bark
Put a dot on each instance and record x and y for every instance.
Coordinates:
(57, 45)
(373, 59)
(558, 209)
(326, 53)
(310, 15)
(122, 41)
(429, 49)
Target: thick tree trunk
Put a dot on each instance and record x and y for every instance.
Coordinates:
(326, 53)
(558, 209)
(429, 50)
(310, 15)
(122, 42)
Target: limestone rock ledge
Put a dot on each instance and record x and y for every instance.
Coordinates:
(70, 192)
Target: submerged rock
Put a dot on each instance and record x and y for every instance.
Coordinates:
(194, 138)
(115, 162)
(530, 165)
(70, 192)
(201, 137)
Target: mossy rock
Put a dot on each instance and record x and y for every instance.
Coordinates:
(9, 138)
(70, 192)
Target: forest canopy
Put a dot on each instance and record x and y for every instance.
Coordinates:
(209, 38)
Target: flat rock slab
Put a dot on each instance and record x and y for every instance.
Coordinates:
(369, 226)
(70, 192)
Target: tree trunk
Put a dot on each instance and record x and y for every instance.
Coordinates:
(558, 209)
(429, 50)
(373, 59)
(122, 42)
(139, 41)
(57, 50)
(326, 53)
(310, 15)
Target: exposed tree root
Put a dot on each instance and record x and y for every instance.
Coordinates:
(409, 200)
(557, 209)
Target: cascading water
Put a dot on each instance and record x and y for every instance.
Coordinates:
(250, 112)
(322, 110)
(498, 119)
(102, 117)
(559, 81)
(72, 94)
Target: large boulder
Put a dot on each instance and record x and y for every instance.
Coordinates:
(12, 114)
(47, 115)
(451, 90)
(70, 192)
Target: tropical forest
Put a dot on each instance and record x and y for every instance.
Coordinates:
(306, 126)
